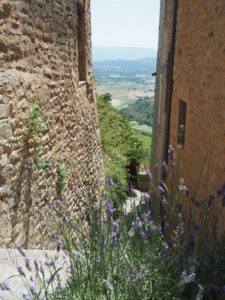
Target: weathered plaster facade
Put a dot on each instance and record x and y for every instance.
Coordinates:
(196, 91)
(45, 62)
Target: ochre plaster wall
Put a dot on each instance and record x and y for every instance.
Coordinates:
(199, 80)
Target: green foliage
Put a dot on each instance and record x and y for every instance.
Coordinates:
(61, 175)
(141, 111)
(38, 161)
(35, 123)
(123, 259)
(121, 149)
(146, 140)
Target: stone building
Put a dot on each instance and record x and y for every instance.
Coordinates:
(49, 139)
(190, 93)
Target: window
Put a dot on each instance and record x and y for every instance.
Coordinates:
(181, 123)
(81, 32)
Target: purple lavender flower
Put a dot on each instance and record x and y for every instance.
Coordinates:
(126, 214)
(221, 190)
(81, 244)
(32, 290)
(20, 250)
(4, 286)
(197, 227)
(42, 271)
(187, 277)
(96, 205)
(21, 271)
(142, 235)
(110, 182)
(58, 202)
(149, 174)
(109, 206)
(138, 223)
(114, 238)
(31, 278)
(148, 214)
(27, 263)
(64, 219)
(115, 224)
(58, 245)
(26, 297)
(47, 263)
(164, 202)
(161, 189)
(36, 265)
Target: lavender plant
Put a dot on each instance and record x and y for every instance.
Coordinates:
(119, 255)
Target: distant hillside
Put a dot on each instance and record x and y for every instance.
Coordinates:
(140, 111)
(124, 68)
(115, 53)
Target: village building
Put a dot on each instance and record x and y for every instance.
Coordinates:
(49, 138)
(190, 94)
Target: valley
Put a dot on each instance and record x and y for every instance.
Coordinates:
(131, 86)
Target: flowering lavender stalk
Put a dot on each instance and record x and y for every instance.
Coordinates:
(36, 265)
(109, 206)
(160, 189)
(142, 235)
(149, 174)
(96, 205)
(20, 250)
(21, 271)
(187, 277)
(32, 290)
(164, 202)
(115, 224)
(4, 286)
(26, 297)
(114, 238)
(110, 182)
(138, 223)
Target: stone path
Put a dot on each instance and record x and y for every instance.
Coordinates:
(133, 202)
(11, 259)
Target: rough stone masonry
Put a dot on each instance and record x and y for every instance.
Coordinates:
(49, 139)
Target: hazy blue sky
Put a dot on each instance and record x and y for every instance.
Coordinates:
(132, 23)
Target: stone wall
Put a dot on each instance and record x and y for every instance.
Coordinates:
(49, 139)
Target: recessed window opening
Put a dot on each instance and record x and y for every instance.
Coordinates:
(181, 122)
(82, 41)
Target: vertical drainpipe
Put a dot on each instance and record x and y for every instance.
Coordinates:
(169, 82)
(161, 131)
(156, 170)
